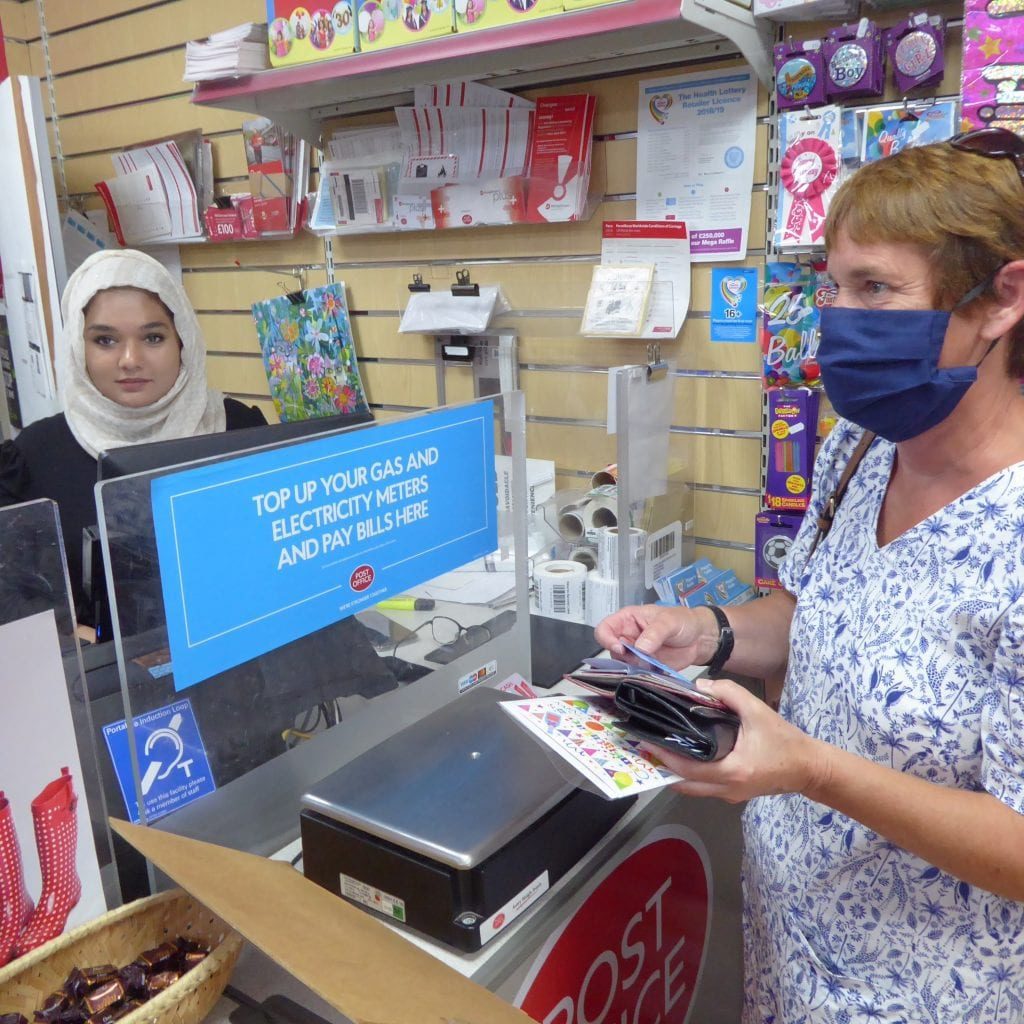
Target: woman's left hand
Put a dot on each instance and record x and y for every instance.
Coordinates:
(770, 755)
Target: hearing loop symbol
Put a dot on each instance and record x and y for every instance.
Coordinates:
(158, 770)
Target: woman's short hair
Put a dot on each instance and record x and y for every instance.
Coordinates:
(966, 211)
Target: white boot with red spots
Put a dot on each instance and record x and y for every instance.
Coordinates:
(55, 820)
(15, 904)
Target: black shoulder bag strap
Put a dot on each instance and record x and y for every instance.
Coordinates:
(828, 512)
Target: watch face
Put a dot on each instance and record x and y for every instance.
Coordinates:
(848, 65)
(796, 79)
(915, 53)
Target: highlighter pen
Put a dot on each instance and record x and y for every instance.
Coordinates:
(407, 604)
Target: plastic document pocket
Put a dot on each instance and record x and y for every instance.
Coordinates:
(660, 705)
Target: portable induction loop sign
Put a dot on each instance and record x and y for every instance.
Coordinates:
(261, 550)
(172, 760)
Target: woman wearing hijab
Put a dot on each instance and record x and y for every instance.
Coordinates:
(131, 368)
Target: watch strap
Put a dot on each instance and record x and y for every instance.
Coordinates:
(726, 639)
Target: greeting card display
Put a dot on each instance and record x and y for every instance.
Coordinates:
(992, 79)
(472, 15)
(854, 61)
(887, 130)
(799, 74)
(916, 49)
(298, 33)
(794, 294)
(809, 173)
(386, 23)
(309, 355)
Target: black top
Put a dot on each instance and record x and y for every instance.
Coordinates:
(45, 461)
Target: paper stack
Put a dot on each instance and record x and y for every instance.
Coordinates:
(158, 190)
(234, 51)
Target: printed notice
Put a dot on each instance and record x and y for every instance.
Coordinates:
(695, 157)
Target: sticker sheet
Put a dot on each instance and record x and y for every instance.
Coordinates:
(582, 730)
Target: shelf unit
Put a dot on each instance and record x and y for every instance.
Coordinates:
(576, 45)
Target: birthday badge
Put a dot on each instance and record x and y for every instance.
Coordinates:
(808, 175)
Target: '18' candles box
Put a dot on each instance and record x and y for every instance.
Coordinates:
(792, 430)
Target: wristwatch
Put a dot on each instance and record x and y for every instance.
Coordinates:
(726, 640)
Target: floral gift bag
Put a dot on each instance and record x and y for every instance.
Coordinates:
(306, 341)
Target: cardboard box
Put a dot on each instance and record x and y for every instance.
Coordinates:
(361, 967)
(298, 32)
(471, 15)
(386, 23)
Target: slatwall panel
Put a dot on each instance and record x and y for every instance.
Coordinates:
(545, 271)
(21, 35)
(116, 79)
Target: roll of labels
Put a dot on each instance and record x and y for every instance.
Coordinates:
(561, 587)
(581, 519)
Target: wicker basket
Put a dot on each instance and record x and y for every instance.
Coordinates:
(118, 937)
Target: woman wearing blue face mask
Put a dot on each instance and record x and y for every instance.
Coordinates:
(884, 837)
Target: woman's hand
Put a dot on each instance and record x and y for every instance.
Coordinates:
(770, 756)
(677, 636)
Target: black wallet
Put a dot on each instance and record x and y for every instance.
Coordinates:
(676, 721)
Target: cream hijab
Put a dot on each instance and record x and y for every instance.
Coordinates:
(97, 422)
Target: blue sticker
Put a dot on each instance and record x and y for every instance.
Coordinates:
(733, 156)
(734, 304)
(261, 550)
(171, 756)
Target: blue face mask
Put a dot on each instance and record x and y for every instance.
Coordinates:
(880, 367)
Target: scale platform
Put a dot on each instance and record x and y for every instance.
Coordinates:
(454, 826)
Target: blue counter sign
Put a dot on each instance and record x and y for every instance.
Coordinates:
(261, 550)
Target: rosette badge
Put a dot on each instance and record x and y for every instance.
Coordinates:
(809, 168)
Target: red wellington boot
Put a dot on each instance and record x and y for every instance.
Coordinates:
(15, 905)
(55, 820)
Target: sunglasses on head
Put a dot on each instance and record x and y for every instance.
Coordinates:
(997, 143)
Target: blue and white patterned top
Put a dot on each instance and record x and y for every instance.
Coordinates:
(912, 656)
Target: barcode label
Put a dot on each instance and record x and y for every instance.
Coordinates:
(663, 545)
(664, 552)
(560, 599)
(357, 197)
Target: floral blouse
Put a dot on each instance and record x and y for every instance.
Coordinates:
(910, 655)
